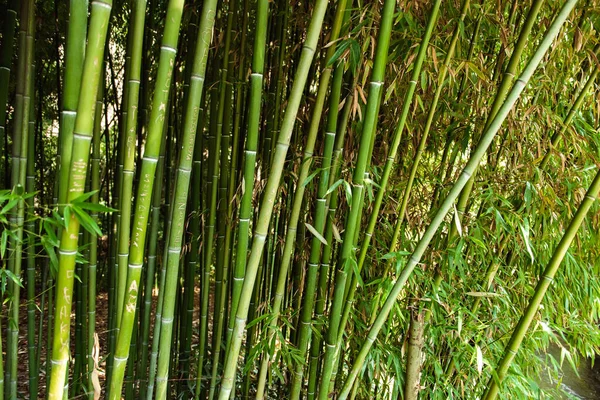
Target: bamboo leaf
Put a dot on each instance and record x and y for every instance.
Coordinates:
(314, 232)
(84, 197)
(457, 222)
(96, 207)
(525, 231)
(483, 294)
(4, 241)
(86, 221)
(479, 359)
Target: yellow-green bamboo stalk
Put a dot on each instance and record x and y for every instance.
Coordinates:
(78, 171)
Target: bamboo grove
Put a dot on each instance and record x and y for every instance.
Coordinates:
(230, 199)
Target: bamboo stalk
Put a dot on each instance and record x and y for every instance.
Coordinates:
(78, 170)
(147, 175)
(344, 265)
(181, 190)
(6, 56)
(268, 201)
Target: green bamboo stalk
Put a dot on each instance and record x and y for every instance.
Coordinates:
(147, 175)
(219, 193)
(133, 61)
(445, 207)
(78, 170)
(31, 246)
(6, 56)
(353, 219)
(327, 253)
(305, 319)
(93, 255)
(546, 279)
(254, 108)
(181, 190)
(75, 52)
(572, 111)
(391, 159)
(21, 136)
(270, 194)
(419, 153)
(290, 238)
(162, 274)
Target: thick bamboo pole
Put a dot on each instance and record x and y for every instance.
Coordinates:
(344, 265)
(144, 192)
(82, 138)
(186, 158)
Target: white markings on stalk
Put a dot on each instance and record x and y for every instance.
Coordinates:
(101, 4)
(82, 136)
(67, 252)
(169, 49)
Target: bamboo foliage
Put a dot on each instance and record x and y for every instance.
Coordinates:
(278, 173)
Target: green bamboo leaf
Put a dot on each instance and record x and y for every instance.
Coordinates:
(3, 242)
(84, 197)
(341, 48)
(13, 277)
(316, 233)
(483, 294)
(86, 221)
(9, 206)
(310, 177)
(96, 207)
(334, 186)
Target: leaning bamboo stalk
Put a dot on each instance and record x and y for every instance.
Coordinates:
(203, 41)
(270, 194)
(78, 170)
(306, 310)
(144, 191)
(546, 279)
(298, 197)
(507, 79)
(391, 159)
(445, 207)
(572, 111)
(358, 178)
